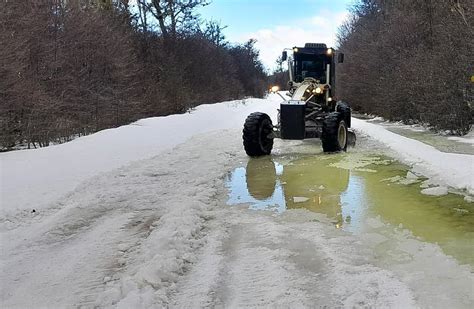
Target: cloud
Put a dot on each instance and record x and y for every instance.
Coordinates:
(321, 28)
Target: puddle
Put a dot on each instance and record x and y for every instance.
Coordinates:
(352, 189)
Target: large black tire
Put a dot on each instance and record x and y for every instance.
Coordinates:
(334, 135)
(345, 110)
(257, 135)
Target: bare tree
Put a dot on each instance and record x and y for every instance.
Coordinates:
(172, 14)
(412, 60)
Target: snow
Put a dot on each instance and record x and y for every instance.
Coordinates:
(136, 217)
(446, 169)
(468, 138)
(376, 119)
(435, 191)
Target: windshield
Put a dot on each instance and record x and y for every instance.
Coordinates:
(310, 66)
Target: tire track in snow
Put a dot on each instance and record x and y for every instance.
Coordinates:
(97, 238)
(169, 252)
(256, 260)
(61, 272)
(257, 271)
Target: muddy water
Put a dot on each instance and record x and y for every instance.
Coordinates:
(351, 190)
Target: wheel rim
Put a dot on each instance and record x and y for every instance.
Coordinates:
(342, 135)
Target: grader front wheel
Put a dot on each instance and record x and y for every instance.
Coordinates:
(257, 135)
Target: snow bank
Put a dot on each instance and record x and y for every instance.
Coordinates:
(32, 179)
(468, 138)
(451, 169)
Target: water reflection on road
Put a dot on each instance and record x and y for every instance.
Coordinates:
(352, 189)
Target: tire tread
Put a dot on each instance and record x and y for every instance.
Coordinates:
(250, 134)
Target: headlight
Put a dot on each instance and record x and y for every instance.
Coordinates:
(329, 51)
(329, 99)
(295, 49)
(318, 90)
(274, 89)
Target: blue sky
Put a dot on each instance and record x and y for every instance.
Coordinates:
(277, 24)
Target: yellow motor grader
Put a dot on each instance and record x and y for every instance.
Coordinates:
(312, 110)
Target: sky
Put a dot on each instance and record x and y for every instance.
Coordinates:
(278, 24)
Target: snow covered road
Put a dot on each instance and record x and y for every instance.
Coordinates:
(158, 233)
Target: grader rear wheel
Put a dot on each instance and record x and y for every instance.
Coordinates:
(334, 135)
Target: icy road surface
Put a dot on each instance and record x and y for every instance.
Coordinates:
(158, 232)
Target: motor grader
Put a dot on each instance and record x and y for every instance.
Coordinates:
(311, 111)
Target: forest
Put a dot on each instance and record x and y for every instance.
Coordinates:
(73, 67)
(410, 61)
